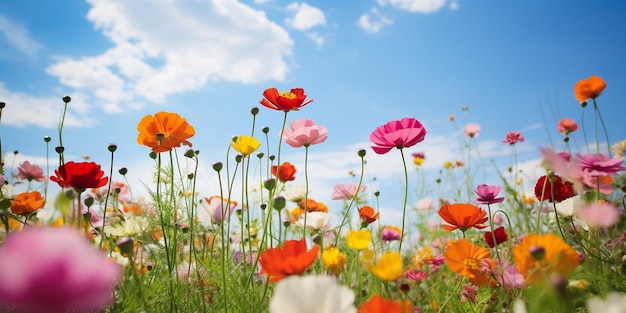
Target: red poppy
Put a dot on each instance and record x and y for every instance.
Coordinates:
(368, 215)
(462, 216)
(286, 172)
(562, 190)
(79, 175)
(285, 101)
(292, 259)
(500, 235)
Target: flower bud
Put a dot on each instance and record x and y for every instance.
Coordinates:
(153, 155)
(269, 183)
(112, 147)
(67, 99)
(126, 245)
(361, 153)
(217, 166)
(89, 201)
(254, 111)
(47, 138)
(537, 252)
(2, 105)
(265, 130)
(279, 202)
(123, 171)
(190, 153)
(59, 149)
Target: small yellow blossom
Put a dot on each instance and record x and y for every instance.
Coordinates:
(619, 148)
(451, 118)
(334, 260)
(367, 258)
(418, 161)
(447, 164)
(359, 239)
(388, 267)
(245, 145)
(422, 256)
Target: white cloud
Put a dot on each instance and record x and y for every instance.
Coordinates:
(373, 21)
(173, 47)
(317, 38)
(413, 6)
(20, 107)
(18, 36)
(454, 5)
(306, 16)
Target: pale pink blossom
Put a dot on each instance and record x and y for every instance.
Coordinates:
(54, 270)
(513, 138)
(347, 191)
(568, 168)
(471, 130)
(600, 215)
(488, 194)
(403, 133)
(216, 209)
(425, 204)
(304, 132)
(30, 172)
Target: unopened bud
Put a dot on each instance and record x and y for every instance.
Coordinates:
(279, 202)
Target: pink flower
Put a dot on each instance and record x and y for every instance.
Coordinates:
(54, 270)
(399, 134)
(567, 126)
(487, 194)
(600, 164)
(568, 168)
(513, 138)
(217, 209)
(600, 214)
(304, 132)
(30, 172)
(346, 191)
(391, 233)
(425, 204)
(471, 130)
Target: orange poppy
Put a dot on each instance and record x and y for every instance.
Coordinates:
(462, 216)
(26, 203)
(368, 215)
(164, 131)
(291, 259)
(285, 101)
(539, 256)
(312, 206)
(285, 172)
(589, 88)
(464, 258)
(377, 304)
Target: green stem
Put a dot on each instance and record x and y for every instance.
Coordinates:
(406, 195)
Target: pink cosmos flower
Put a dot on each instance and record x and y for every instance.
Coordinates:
(513, 138)
(600, 164)
(304, 132)
(425, 204)
(54, 270)
(471, 130)
(391, 233)
(568, 168)
(217, 209)
(487, 194)
(399, 134)
(600, 214)
(567, 126)
(346, 191)
(30, 172)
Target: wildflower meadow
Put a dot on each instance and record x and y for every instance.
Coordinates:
(74, 238)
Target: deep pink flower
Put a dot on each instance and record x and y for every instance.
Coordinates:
(513, 138)
(30, 172)
(346, 191)
(600, 214)
(54, 270)
(399, 134)
(391, 233)
(415, 275)
(420, 155)
(304, 132)
(471, 130)
(600, 164)
(487, 194)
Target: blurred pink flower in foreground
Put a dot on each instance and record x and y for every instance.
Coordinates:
(54, 270)
(399, 134)
(304, 132)
(600, 214)
(513, 138)
(346, 191)
(471, 130)
(30, 172)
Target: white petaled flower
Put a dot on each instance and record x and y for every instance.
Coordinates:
(312, 294)
(570, 206)
(615, 302)
(294, 193)
(131, 226)
(314, 220)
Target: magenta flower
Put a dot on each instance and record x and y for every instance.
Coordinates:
(304, 132)
(391, 233)
(399, 134)
(54, 270)
(600, 164)
(513, 138)
(471, 130)
(600, 214)
(30, 172)
(216, 209)
(487, 194)
(346, 191)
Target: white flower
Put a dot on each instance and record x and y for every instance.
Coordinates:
(314, 220)
(615, 302)
(294, 193)
(570, 206)
(425, 204)
(311, 294)
(131, 226)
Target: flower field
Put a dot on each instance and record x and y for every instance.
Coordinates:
(261, 244)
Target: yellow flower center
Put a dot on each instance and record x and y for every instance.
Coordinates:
(288, 95)
(471, 264)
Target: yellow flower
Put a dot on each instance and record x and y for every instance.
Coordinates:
(447, 164)
(334, 260)
(359, 239)
(388, 267)
(539, 256)
(422, 256)
(418, 161)
(367, 258)
(245, 145)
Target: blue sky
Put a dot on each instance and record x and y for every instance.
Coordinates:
(512, 63)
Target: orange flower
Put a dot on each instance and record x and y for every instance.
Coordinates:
(539, 256)
(164, 131)
(292, 259)
(367, 215)
(377, 304)
(462, 216)
(285, 101)
(285, 172)
(26, 203)
(589, 88)
(464, 258)
(312, 205)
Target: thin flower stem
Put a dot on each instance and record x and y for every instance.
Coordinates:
(493, 233)
(406, 195)
(62, 159)
(606, 133)
(106, 201)
(306, 187)
(582, 125)
(356, 195)
(224, 249)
